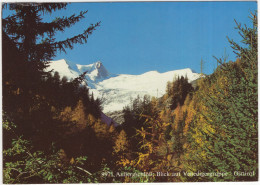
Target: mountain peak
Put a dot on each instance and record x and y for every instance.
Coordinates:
(98, 64)
(96, 72)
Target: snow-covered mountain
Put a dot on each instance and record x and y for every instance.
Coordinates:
(118, 90)
(95, 72)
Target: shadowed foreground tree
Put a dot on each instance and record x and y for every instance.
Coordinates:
(28, 43)
(35, 38)
(33, 99)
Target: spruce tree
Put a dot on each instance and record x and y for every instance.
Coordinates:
(180, 89)
(36, 38)
(33, 98)
(226, 126)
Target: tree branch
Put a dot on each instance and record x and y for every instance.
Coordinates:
(83, 170)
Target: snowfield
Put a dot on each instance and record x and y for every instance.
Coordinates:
(117, 91)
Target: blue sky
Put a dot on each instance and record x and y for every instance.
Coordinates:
(138, 37)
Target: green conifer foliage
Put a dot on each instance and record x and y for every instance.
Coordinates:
(226, 129)
(180, 89)
(35, 38)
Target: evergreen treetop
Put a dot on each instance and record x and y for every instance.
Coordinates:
(35, 38)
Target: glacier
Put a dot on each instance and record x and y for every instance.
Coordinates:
(117, 91)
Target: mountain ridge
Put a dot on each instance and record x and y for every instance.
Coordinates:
(117, 91)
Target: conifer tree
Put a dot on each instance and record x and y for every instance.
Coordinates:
(33, 98)
(35, 38)
(35, 44)
(121, 144)
(226, 131)
(180, 89)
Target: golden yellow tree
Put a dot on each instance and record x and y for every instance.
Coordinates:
(120, 148)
